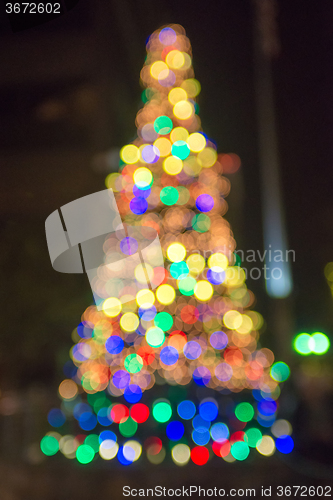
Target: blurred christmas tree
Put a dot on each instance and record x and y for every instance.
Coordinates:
(175, 369)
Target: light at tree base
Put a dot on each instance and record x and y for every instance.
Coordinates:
(174, 373)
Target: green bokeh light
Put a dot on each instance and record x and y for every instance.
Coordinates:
(186, 285)
(163, 125)
(302, 344)
(321, 343)
(280, 371)
(164, 321)
(155, 337)
(85, 454)
(244, 412)
(162, 411)
(169, 195)
(93, 441)
(179, 270)
(253, 437)
(180, 149)
(317, 343)
(133, 363)
(128, 428)
(240, 450)
(49, 445)
(201, 223)
(98, 400)
(238, 260)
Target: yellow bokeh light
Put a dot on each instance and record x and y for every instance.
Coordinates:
(181, 454)
(192, 87)
(207, 157)
(143, 273)
(176, 252)
(108, 449)
(175, 59)
(266, 446)
(145, 298)
(177, 94)
(218, 260)
(130, 154)
(68, 389)
(196, 264)
(157, 68)
(192, 167)
(232, 319)
(163, 145)
(172, 165)
(328, 271)
(112, 181)
(196, 142)
(183, 110)
(188, 61)
(165, 294)
(143, 177)
(234, 276)
(203, 290)
(129, 322)
(112, 307)
(179, 134)
(246, 326)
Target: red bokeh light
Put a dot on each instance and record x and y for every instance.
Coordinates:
(153, 445)
(119, 413)
(189, 314)
(139, 412)
(200, 455)
(221, 449)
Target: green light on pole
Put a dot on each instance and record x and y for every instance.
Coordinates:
(321, 343)
(317, 343)
(302, 344)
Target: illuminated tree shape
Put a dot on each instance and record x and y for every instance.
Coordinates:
(195, 332)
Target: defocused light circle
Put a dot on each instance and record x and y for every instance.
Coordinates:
(176, 252)
(130, 154)
(112, 307)
(165, 294)
(129, 322)
(240, 450)
(266, 446)
(143, 177)
(155, 337)
(196, 142)
(284, 444)
(162, 411)
(181, 454)
(203, 290)
(321, 343)
(280, 371)
(183, 110)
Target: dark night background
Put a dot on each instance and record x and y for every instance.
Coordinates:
(69, 92)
